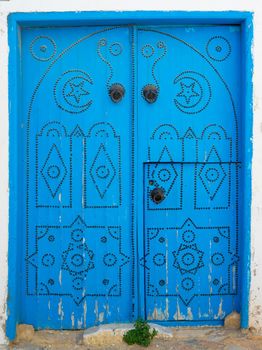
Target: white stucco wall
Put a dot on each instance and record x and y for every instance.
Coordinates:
(189, 5)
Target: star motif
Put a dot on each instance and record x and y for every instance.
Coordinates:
(188, 258)
(187, 92)
(77, 91)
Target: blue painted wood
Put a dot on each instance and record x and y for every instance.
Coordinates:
(77, 245)
(247, 110)
(190, 148)
(127, 17)
(136, 299)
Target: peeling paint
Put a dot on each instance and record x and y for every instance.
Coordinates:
(60, 278)
(73, 320)
(15, 6)
(234, 277)
(101, 316)
(220, 314)
(85, 312)
(60, 310)
(157, 314)
(179, 316)
(107, 309)
(189, 314)
(80, 323)
(210, 310)
(96, 312)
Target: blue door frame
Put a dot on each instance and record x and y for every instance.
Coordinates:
(17, 21)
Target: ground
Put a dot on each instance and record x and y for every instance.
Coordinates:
(183, 339)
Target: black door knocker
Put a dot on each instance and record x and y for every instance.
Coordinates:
(157, 195)
(116, 92)
(150, 93)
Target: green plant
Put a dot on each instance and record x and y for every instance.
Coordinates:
(141, 334)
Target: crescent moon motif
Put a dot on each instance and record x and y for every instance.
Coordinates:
(192, 92)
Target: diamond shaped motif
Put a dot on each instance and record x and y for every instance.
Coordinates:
(165, 174)
(212, 177)
(102, 171)
(54, 170)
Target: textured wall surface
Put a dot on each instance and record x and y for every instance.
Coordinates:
(255, 6)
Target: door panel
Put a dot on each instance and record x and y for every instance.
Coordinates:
(77, 247)
(189, 152)
(130, 151)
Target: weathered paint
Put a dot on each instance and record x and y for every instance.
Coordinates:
(255, 301)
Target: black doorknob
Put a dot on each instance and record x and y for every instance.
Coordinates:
(157, 195)
(150, 93)
(116, 92)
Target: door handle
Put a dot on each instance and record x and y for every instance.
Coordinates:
(116, 92)
(150, 93)
(157, 195)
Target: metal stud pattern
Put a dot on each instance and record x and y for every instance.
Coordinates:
(130, 199)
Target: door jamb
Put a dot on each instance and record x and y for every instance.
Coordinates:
(17, 21)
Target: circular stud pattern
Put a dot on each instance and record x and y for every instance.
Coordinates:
(162, 283)
(77, 235)
(115, 49)
(218, 48)
(48, 260)
(187, 283)
(77, 260)
(78, 283)
(159, 259)
(212, 174)
(53, 171)
(102, 172)
(147, 51)
(188, 259)
(110, 259)
(217, 259)
(51, 238)
(102, 42)
(188, 236)
(164, 175)
(43, 48)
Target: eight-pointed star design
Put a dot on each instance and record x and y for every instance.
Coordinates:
(77, 91)
(187, 91)
(188, 258)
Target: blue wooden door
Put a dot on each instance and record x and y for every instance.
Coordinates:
(189, 149)
(77, 239)
(130, 173)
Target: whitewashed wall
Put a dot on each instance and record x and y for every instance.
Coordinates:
(255, 6)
